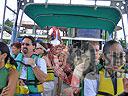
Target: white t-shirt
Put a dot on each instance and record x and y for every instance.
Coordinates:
(90, 87)
(40, 63)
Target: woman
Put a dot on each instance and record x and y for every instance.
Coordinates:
(8, 74)
(49, 83)
(16, 49)
(86, 63)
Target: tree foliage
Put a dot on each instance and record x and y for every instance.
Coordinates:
(8, 26)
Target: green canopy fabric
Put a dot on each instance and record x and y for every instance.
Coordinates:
(74, 16)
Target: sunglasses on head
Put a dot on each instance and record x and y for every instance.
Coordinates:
(27, 44)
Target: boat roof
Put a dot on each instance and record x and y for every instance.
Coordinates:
(74, 16)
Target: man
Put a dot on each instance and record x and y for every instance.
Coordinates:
(32, 70)
(107, 83)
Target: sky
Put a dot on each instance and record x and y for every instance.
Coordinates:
(12, 4)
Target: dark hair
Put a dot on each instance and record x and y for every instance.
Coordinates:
(108, 44)
(31, 38)
(92, 66)
(16, 44)
(5, 49)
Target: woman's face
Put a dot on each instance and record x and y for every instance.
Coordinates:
(2, 57)
(39, 51)
(61, 57)
(95, 45)
(86, 58)
(96, 48)
(15, 50)
(59, 50)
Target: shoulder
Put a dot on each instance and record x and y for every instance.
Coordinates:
(13, 72)
(41, 62)
(91, 76)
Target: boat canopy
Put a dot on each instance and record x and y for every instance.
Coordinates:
(74, 16)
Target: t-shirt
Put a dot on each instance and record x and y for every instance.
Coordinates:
(90, 87)
(40, 63)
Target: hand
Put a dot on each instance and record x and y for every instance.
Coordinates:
(76, 90)
(30, 61)
(6, 91)
(21, 83)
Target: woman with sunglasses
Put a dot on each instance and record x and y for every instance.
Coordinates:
(8, 73)
(42, 52)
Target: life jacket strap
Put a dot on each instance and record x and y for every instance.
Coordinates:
(104, 93)
(1, 90)
(31, 82)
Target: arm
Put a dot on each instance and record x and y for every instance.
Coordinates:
(40, 70)
(46, 58)
(9, 90)
(40, 75)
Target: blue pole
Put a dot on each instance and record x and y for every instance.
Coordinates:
(14, 32)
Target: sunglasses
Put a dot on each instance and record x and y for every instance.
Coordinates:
(27, 44)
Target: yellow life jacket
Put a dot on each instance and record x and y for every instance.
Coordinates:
(7, 65)
(50, 74)
(4, 73)
(106, 85)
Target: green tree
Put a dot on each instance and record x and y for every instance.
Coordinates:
(8, 26)
(123, 43)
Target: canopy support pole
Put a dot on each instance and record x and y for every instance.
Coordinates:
(2, 29)
(124, 32)
(15, 31)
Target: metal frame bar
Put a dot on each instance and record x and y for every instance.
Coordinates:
(11, 9)
(2, 29)
(19, 4)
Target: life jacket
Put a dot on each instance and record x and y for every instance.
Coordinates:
(106, 86)
(34, 86)
(4, 73)
(14, 56)
(50, 72)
